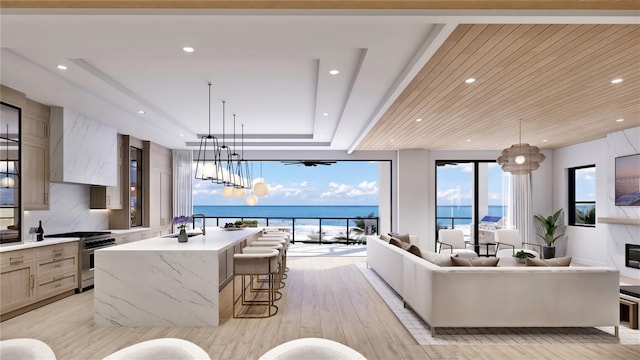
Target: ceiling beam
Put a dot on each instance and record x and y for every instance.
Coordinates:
(328, 4)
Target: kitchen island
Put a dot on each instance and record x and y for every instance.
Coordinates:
(161, 282)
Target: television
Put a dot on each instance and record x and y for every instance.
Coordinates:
(627, 184)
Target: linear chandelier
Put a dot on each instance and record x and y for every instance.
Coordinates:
(520, 159)
(219, 164)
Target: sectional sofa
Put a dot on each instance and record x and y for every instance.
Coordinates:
(512, 296)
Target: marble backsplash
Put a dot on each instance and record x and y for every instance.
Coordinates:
(69, 211)
(621, 143)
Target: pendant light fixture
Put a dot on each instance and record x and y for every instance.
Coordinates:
(208, 161)
(7, 181)
(260, 188)
(251, 199)
(236, 175)
(225, 155)
(246, 174)
(520, 159)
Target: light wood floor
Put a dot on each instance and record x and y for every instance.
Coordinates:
(324, 297)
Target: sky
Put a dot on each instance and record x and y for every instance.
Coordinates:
(356, 183)
(455, 184)
(342, 183)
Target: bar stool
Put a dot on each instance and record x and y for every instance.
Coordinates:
(281, 247)
(256, 262)
(285, 241)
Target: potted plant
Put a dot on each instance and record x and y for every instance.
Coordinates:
(522, 255)
(550, 230)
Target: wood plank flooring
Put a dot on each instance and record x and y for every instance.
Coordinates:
(324, 297)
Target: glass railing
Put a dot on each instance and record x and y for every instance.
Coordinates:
(308, 230)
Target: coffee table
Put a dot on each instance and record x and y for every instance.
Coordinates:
(487, 244)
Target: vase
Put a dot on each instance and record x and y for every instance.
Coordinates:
(182, 236)
(548, 252)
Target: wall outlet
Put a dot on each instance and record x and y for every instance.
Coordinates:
(32, 230)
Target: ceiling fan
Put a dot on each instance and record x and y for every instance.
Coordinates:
(308, 162)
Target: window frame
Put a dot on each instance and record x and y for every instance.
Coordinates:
(572, 196)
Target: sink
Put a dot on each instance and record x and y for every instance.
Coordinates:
(188, 235)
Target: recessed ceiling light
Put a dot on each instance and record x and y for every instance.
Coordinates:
(140, 111)
(616, 81)
(188, 49)
(619, 120)
(334, 72)
(545, 140)
(61, 67)
(325, 114)
(468, 140)
(181, 134)
(391, 140)
(418, 119)
(470, 80)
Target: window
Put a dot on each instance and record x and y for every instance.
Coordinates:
(136, 187)
(9, 174)
(582, 196)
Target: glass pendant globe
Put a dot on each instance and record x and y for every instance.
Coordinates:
(252, 200)
(227, 191)
(208, 171)
(7, 182)
(260, 189)
(520, 159)
(238, 193)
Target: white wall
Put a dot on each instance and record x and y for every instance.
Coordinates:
(585, 244)
(604, 244)
(69, 211)
(413, 193)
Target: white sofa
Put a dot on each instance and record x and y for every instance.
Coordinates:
(513, 296)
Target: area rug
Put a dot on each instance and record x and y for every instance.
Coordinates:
(302, 249)
(492, 336)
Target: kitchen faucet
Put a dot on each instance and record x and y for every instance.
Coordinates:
(200, 216)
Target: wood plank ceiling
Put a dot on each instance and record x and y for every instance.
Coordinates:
(556, 79)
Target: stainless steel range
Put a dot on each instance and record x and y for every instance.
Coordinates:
(90, 241)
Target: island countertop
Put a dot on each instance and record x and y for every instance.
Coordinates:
(215, 239)
(163, 282)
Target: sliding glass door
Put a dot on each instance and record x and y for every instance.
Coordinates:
(471, 196)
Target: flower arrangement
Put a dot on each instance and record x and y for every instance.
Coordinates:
(181, 221)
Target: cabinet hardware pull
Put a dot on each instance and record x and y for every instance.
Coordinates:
(33, 281)
(16, 260)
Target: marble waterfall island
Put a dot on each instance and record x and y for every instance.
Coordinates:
(161, 282)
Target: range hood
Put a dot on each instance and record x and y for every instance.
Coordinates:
(82, 150)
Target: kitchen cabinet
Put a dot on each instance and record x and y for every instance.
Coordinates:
(32, 277)
(161, 180)
(109, 197)
(56, 269)
(17, 276)
(35, 153)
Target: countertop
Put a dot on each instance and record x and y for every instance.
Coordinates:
(215, 239)
(126, 231)
(32, 244)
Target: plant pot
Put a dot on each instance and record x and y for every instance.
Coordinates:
(182, 236)
(548, 252)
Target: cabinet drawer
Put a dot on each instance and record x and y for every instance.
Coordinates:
(58, 250)
(48, 286)
(61, 264)
(16, 258)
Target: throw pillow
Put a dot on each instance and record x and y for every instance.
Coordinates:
(403, 237)
(489, 261)
(414, 250)
(385, 237)
(437, 259)
(561, 261)
(396, 242)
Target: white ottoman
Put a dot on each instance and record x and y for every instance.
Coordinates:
(25, 349)
(161, 349)
(312, 349)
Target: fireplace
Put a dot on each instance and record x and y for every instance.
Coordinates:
(632, 256)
